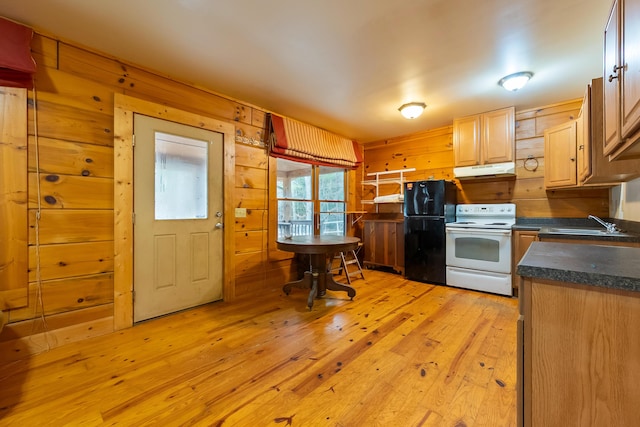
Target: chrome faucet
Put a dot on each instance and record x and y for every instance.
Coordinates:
(611, 228)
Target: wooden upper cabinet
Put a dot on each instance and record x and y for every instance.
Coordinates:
(466, 140)
(560, 155)
(594, 168)
(583, 139)
(498, 132)
(622, 80)
(484, 138)
(611, 86)
(630, 72)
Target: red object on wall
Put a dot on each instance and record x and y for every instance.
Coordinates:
(16, 64)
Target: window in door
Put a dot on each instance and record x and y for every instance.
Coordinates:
(311, 199)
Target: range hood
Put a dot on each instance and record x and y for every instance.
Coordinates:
(507, 169)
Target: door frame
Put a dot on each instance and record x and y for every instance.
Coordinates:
(124, 109)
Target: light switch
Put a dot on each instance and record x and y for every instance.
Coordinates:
(241, 212)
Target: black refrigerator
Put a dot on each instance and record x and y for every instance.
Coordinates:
(428, 205)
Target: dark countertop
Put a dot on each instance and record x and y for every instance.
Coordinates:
(614, 267)
(544, 227)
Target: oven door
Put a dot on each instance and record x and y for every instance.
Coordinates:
(479, 249)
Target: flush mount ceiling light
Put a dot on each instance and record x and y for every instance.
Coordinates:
(412, 109)
(515, 81)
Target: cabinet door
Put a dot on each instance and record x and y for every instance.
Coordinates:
(611, 85)
(582, 142)
(630, 72)
(498, 136)
(560, 155)
(399, 247)
(368, 241)
(466, 141)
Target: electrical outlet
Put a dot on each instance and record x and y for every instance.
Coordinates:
(241, 212)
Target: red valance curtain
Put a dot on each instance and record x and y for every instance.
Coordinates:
(293, 140)
(16, 64)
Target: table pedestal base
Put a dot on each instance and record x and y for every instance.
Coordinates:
(318, 283)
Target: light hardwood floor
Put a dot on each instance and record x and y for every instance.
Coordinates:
(401, 353)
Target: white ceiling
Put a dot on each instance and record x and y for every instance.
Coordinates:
(347, 65)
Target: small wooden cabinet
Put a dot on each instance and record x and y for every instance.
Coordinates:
(560, 155)
(484, 138)
(384, 244)
(521, 240)
(622, 81)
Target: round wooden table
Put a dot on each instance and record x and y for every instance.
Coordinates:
(318, 279)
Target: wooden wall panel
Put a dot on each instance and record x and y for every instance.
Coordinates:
(13, 198)
(26, 328)
(44, 51)
(70, 158)
(247, 177)
(143, 84)
(57, 87)
(256, 219)
(66, 294)
(71, 124)
(250, 263)
(70, 260)
(251, 198)
(245, 130)
(247, 155)
(251, 241)
(70, 192)
(250, 284)
(71, 226)
(20, 339)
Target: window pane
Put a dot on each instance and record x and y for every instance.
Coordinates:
(294, 180)
(332, 218)
(295, 218)
(331, 186)
(180, 177)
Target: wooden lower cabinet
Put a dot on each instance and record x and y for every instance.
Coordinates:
(384, 244)
(578, 355)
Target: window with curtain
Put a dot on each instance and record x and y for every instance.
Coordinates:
(311, 199)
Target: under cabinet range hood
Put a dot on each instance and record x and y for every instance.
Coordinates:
(506, 169)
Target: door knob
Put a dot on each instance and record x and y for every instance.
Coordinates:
(219, 225)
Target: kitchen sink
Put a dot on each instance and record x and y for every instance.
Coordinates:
(580, 231)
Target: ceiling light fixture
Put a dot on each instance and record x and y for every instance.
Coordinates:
(412, 109)
(515, 81)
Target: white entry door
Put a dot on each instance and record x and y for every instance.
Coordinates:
(178, 206)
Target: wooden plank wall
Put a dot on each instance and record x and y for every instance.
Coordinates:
(431, 154)
(72, 111)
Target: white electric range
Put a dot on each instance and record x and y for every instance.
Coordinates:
(479, 247)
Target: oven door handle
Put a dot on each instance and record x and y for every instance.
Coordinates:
(491, 231)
